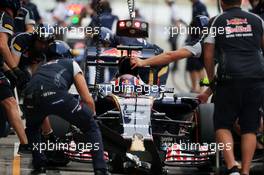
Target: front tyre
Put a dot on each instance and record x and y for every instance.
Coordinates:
(206, 123)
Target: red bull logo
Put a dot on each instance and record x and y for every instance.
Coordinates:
(117, 53)
(237, 21)
(111, 52)
(239, 29)
(125, 82)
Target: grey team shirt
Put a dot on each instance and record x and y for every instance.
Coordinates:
(195, 49)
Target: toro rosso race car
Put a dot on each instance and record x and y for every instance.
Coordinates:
(144, 127)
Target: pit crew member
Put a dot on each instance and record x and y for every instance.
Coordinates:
(8, 9)
(195, 67)
(48, 89)
(28, 50)
(239, 89)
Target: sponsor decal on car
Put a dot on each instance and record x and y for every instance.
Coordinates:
(118, 53)
(177, 152)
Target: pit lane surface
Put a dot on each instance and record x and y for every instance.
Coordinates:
(13, 164)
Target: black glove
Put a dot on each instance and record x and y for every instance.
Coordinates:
(22, 78)
(10, 75)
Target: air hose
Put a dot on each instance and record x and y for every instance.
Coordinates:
(99, 71)
(131, 8)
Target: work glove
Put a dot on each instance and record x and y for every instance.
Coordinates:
(22, 78)
(10, 75)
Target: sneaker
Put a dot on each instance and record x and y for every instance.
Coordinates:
(24, 149)
(233, 171)
(38, 171)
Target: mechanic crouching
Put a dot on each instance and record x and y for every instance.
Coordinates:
(47, 93)
(240, 79)
(28, 51)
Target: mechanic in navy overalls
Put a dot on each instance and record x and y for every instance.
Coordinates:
(28, 51)
(198, 9)
(47, 93)
(27, 47)
(195, 67)
(8, 68)
(107, 20)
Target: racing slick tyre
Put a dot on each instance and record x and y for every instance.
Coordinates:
(206, 129)
(60, 127)
(206, 124)
(116, 164)
(57, 158)
(206, 168)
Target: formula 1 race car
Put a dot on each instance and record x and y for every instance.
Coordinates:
(144, 127)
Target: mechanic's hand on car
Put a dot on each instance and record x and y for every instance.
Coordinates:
(203, 97)
(136, 62)
(22, 78)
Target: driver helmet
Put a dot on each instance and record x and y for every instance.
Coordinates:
(14, 5)
(124, 67)
(58, 50)
(127, 85)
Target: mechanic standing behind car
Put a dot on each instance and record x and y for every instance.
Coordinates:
(195, 66)
(47, 93)
(240, 78)
(108, 20)
(175, 22)
(198, 8)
